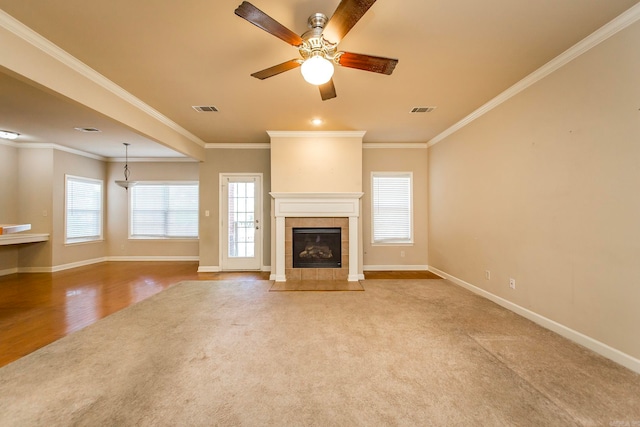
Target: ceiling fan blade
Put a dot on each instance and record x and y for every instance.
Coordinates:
(376, 64)
(327, 90)
(277, 69)
(344, 18)
(261, 20)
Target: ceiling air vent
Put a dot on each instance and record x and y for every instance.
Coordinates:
(88, 130)
(422, 109)
(205, 108)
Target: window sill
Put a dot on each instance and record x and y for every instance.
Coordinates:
(164, 239)
(83, 242)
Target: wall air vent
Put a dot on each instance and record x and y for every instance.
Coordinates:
(205, 108)
(422, 109)
(87, 130)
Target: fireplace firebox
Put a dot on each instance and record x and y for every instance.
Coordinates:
(317, 247)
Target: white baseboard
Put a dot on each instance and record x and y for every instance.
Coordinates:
(8, 271)
(153, 258)
(395, 267)
(603, 349)
(217, 269)
(209, 269)
(61, 267)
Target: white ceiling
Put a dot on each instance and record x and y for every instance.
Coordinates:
(173, 55)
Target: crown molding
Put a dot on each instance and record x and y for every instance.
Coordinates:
(315, 134)
(619, 23)
(239, 145)
(400, 145)
(25, 33)
(48, 145)
(151, 160)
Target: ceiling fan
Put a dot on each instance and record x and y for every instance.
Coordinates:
(318, 46)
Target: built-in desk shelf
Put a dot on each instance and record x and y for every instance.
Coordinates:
(10, 234)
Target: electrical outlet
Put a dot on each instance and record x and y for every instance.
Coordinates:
(487, 274)
(401, 254)
(512, 283)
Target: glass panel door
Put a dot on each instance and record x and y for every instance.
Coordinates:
(241, 223)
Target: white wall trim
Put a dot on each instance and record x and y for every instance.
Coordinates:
(153, 258)
(316, 134)
(61, 267)
(51, 146)
(28, 35)
(8, 271)
(398, 145)
(209, 269)
(152, 160)
(240, 146)
(620, 23)
(395, 267)
(603, 349)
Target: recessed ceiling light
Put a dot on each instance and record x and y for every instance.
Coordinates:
(7, 134)
(317, 122)
(88, 130)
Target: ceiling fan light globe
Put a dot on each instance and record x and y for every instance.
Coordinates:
(317, 70)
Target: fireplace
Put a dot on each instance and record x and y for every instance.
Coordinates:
(316, 247)
(316, 210)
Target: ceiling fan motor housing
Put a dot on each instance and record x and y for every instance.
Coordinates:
(314, 44)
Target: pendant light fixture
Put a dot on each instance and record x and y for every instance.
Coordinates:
(126, 183)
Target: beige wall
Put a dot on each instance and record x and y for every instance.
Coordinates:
(35, 194)
(544, 189)
(316, 162)
(8, 202)
(230, 161)
(397, 160)
(65, 163)
(118, 242)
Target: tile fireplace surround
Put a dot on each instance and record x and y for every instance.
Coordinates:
(316, 206)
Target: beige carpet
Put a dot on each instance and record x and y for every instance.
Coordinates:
(315, 286)
(417, 352)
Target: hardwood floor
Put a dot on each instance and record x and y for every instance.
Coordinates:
(37, 309)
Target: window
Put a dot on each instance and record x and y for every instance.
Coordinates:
(392, 217)
(164, 211)
(83, 209)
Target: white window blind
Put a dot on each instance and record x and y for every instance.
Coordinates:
(164, 210)
(83, 209)
(392, 207)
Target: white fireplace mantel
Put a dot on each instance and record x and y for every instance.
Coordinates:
(316, 205)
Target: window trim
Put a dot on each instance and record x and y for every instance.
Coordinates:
(161, 238)
(392, 242)
(90, 239)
